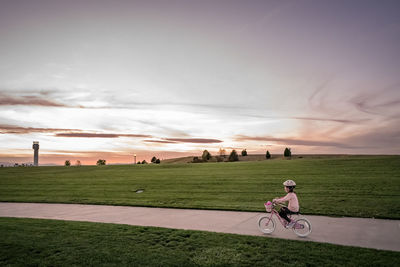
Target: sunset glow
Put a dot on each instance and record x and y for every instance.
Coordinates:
(110, 79)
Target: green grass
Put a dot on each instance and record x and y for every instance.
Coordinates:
(32, 242)
(358, 186)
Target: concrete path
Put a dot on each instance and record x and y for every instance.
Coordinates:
(369, 233)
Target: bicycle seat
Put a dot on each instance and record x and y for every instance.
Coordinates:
(295, 213)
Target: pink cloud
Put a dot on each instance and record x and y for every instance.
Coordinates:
(7, 100)
(99, 135)
(194, 140)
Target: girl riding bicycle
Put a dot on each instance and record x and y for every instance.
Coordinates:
(293, 206)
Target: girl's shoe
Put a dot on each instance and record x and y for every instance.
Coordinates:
(290, 225)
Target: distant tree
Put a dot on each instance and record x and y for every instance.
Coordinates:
(206, 155)
(287, 153)
(101, 162)
(222, 152)
(2, 166)
(153, 159)
(67, 163)
(244, 153)
(16, 165)
(78, 163)
(158, 161)
(233, 156)
(268, 155)
(144, 162)
(138, 162)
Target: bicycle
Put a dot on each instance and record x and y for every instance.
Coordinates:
(266, 223)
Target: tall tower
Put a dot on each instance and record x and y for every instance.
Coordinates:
(36, 153)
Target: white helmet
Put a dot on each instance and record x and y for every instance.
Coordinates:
(289, 183)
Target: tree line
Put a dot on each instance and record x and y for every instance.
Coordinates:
(233, 156)
(205, 157)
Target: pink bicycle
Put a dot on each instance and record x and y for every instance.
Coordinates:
(266, 224)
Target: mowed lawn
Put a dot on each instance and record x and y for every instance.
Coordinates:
(358, 186)
(32, 242)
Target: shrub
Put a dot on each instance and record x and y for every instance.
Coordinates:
(287, 153)
(206, 155)
(268, 155)
(153, 159)
(67, 163)
(244, 153)
(233, 156)
(158, 161)
(101, 162)
(78, 163)
(144, 162)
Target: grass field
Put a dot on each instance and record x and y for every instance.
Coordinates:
(359, 186)
(32, 242)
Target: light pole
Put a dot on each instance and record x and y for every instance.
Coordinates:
(134, 155)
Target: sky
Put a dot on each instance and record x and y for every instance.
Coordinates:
(109, 79)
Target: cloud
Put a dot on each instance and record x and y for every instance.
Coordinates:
(166, 130)
(347, 121)
(380, 102)
(185, 140)
(291, 141)
(194, 140)
(11, 129)
(159, 141)
(103, 100)
(100, 135)
(317, 99)
(306, 118)
(28, 100)
(365, 104)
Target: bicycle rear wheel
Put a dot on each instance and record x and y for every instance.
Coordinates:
(302, 227)
(266, 224)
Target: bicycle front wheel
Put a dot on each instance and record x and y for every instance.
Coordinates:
(302, 227)
(266, 224)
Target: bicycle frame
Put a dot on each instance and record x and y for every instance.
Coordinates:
(281, 220)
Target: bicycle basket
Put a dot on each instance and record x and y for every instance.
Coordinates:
(268, 206)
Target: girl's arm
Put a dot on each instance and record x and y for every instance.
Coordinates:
(282, 199)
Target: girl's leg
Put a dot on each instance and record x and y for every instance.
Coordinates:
(283, 213)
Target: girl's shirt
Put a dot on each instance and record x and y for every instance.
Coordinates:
(293, 201)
